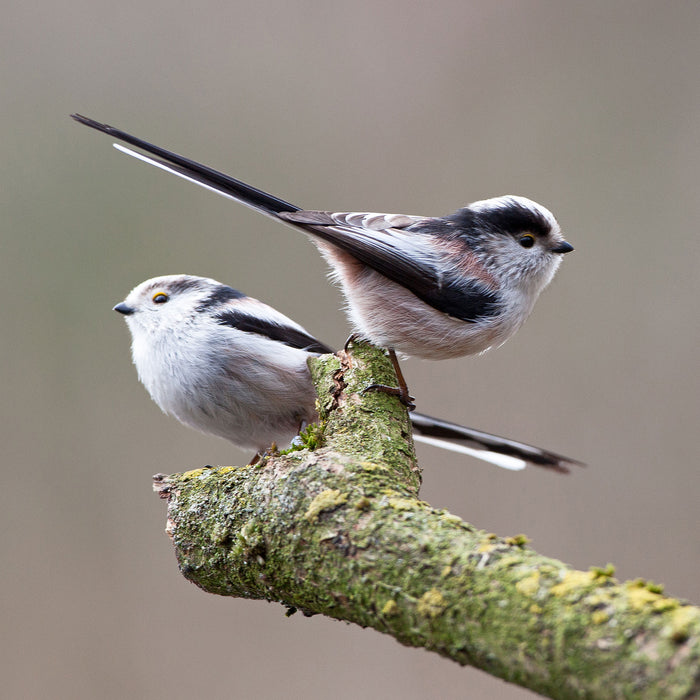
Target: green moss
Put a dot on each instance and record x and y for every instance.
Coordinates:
(517, 540)
(311, 438)
(220, 533)
(608, 571)
(363, 503)
(325, 501)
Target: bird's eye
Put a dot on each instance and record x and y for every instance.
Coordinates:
(160, 298)
(527, 240)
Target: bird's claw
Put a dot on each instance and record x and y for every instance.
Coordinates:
(403, 396)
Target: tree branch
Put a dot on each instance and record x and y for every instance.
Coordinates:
(339, 530)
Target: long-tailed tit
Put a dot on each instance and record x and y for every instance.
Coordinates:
(232, 366)
(433, 287)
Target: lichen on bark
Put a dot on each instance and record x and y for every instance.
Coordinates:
(339, 530)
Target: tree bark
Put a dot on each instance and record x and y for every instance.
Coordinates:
(335, 527)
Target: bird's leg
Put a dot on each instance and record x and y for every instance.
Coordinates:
(351, 339)
(400, 391)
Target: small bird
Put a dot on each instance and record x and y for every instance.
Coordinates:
(230, 365)
(432, 287)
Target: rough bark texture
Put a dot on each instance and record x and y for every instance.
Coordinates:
(337, 528)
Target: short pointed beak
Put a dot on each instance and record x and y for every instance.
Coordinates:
(563, 247)
(124, 309)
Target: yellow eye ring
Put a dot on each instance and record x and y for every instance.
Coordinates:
(160, 298)
(527, 240)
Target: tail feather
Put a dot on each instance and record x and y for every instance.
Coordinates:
(194, 171)
(441, 433)
(500, 460)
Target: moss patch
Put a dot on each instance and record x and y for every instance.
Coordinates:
(325, 501)
(431, 604)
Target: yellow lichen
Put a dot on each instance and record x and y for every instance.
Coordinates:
(639, 598)
(681, 618)
(664, 604)
(507, 562)
(446, 571)
(402, 503)
(572, 581)
(599, 617)
(226, 470)
(535, 609)
(390, 608)
(450, 518)
(192, 474)
(326, 500)
(486, 547)
(369, 466)
(431, 604)
(529, 585)
(598, 599)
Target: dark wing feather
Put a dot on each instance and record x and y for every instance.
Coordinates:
(408, 258)
(293, 337)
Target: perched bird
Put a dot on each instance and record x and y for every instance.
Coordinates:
(232, 366)
(433, 287)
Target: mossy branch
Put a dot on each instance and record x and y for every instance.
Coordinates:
(339, 530)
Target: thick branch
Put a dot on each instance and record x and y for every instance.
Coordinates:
(339, 530)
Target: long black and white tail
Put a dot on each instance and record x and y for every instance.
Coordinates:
(194, 172)
(503, 452)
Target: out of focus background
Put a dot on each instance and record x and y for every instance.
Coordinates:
(591, 109)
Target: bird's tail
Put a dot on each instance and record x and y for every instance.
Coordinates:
(194, 172)
(503, 452)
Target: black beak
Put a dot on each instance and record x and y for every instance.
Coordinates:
(563, 247)
(124, 309)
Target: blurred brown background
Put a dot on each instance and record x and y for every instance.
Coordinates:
(591, 109)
